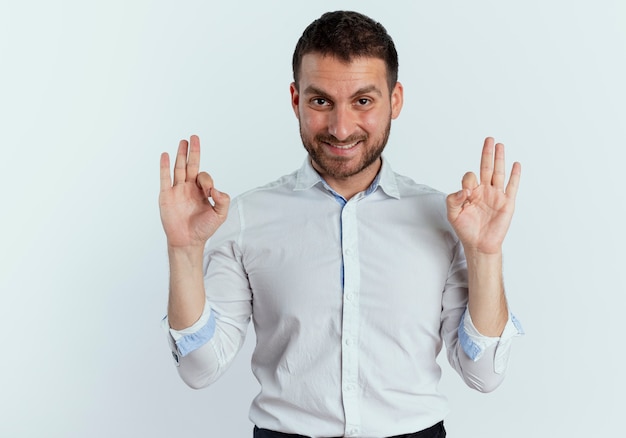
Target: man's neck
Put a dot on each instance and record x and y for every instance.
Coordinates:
(351, 185)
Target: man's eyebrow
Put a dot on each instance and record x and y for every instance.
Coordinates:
(312, 89)
(366, 90)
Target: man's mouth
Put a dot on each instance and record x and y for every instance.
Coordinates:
(344, 146)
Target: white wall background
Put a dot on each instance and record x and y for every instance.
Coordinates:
(92, 92)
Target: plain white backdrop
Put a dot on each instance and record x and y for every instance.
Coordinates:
(92, 92)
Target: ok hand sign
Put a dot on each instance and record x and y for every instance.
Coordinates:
(481, 213)
(189, 217)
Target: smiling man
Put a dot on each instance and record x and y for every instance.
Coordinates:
(345, 111)
(354, 276)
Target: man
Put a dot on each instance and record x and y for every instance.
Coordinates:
(353, 275)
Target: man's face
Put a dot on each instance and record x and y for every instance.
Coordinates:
(345, 112)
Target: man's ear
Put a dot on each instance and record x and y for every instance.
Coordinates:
(295, 99)
(397, 99)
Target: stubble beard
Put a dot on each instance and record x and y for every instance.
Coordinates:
(339, 167)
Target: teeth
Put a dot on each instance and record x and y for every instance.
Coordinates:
(346, 146)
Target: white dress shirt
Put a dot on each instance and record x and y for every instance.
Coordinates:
(351, 302)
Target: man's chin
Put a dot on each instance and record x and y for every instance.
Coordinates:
(338, 168)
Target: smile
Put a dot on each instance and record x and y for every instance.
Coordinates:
(344, 146)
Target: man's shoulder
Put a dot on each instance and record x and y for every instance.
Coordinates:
(285, 183)
(407, 186)
(401, 186)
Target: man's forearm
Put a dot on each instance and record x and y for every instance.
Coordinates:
(186, 295)
(487, 302)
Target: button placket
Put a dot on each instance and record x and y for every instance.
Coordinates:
(350, 322)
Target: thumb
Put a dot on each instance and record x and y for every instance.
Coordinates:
(221, 202)
(455, 201)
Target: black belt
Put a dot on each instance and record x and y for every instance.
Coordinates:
(436, 431)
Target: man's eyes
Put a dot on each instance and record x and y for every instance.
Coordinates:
(320, 101)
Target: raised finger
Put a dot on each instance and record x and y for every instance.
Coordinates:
(166, 178)
(514, 179)
(193, 161)
(180, 166)
(498, 168)
(486, 162)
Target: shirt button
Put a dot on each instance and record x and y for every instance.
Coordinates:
(349, 296)
(348, 341)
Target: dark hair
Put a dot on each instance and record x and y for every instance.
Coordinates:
(347, 35)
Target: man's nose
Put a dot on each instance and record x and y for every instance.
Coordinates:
(341, 123)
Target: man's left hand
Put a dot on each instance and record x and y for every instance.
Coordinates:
(481, 213)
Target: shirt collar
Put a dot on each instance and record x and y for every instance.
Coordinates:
(307, 177)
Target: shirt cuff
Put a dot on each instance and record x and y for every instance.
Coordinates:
(474, 344)
(194, 337)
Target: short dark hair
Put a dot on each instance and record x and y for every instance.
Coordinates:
(347, 35)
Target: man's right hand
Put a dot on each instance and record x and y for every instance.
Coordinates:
(191, 211)
(188, 216)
